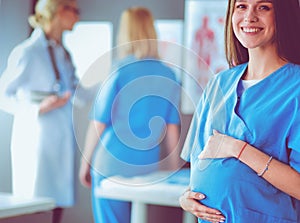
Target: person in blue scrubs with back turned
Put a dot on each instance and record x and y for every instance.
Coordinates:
(134, 110)
(244, 139)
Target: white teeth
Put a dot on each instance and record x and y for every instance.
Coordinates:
(251, 30)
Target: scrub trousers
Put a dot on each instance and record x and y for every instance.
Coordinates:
(107, 210)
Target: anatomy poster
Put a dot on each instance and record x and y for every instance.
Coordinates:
(204, 36)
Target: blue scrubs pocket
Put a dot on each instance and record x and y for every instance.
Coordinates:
(256, 202)
(244, 215)
(249, 216)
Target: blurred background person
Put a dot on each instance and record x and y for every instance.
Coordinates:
(41, 83)
(134, 110)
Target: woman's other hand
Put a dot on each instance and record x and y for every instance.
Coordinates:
(189, 201)
(84, 173)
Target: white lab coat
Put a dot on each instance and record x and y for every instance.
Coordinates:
(43, 146)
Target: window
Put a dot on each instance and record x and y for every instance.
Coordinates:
(87, 43)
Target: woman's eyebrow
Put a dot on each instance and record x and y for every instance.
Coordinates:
(261, 1)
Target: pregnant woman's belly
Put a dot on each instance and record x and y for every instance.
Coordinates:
(233, 188)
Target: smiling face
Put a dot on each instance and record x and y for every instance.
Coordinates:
(253, 23)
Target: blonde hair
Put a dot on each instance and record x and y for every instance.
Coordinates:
(45, 11)
(137, 34)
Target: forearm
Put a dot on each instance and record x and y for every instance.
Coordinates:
(94, 132)
(172, 149)
(280, 175)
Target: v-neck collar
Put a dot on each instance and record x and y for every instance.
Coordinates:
(236, 119)
(269, 78)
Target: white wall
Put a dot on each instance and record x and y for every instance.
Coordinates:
(14, 28)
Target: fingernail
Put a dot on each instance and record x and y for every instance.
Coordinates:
(201, 196)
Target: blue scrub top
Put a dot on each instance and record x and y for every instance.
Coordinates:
(136, 102)
(267, 116)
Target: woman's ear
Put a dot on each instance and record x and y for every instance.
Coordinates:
(60, 11)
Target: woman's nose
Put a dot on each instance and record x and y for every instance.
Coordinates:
(250, 15)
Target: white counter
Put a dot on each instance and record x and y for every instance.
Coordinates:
(160, 188)
(11, 206)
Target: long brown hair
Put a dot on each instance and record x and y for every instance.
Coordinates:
(287, 36)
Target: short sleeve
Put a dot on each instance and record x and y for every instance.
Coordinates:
(295, 160)
(192, 144)
(102, 108)
(173, 117)
(294, 142)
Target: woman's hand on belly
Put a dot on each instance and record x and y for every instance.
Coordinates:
(221, 146)
(189, 201)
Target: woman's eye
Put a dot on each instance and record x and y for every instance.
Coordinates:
(264, 7)
(240, 6)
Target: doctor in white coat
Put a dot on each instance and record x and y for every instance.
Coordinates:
(41, 82)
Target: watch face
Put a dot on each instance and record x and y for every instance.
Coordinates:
(57, 86)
